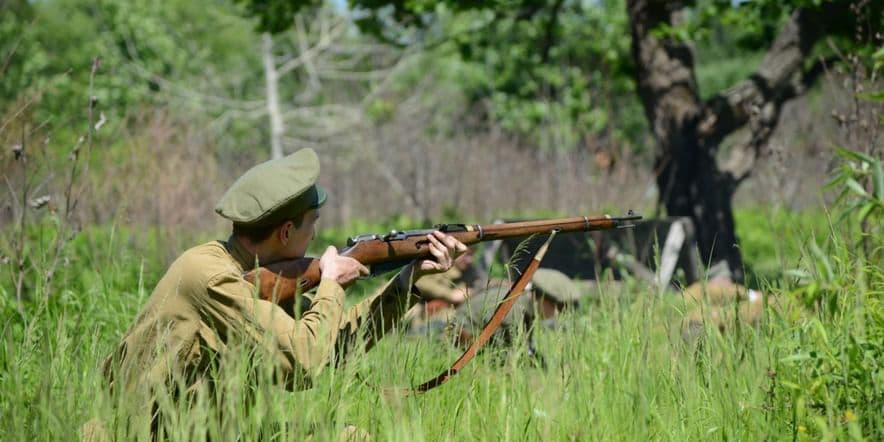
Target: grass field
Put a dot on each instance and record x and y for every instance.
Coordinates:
(619, 371)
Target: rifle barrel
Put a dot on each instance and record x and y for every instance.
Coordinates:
(492, 232)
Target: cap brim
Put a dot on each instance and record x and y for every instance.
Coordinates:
(321, 196)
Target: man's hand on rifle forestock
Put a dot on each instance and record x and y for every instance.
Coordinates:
(445, 249)
(341, 269)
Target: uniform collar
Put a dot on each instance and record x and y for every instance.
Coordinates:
(243, 257)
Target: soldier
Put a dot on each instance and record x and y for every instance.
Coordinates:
(472, 315)
(441, 294)
(550, 293)
(721, 302)
(202, 309)
(554, 292)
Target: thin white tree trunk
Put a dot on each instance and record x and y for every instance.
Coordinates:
(271, 78)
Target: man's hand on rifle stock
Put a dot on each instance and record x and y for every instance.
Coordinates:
(341, 269)
(445, 249)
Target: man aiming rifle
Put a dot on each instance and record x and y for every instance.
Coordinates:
(203, 303)
(223, 297)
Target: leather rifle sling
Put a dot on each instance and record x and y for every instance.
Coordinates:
(492, 325)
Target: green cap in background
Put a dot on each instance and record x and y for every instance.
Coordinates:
(556, 285)
(274, 191)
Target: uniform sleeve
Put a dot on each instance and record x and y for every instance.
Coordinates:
(435, 287)
(371, 319)
(299, 348)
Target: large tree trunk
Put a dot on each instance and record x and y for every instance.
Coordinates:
(688, 131)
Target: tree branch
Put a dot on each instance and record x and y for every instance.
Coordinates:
(764, 120)
(773, 82)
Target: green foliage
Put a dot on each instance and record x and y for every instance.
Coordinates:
(274, 15)
(801, 375)
(753, 25)
(877, 65)
(750, 25)
(812, 373)
(151, 53)
(557, 72)
(560, 71)
(833, 378)
(17, 58)
(766, 259)
(857, 167)
(822, 283)
(859, 183)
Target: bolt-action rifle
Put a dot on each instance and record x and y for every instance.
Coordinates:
(282, 281)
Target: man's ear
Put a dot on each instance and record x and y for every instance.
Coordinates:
(285, 232)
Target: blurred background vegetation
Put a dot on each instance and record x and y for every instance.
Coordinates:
(451, 110)
(546, 90)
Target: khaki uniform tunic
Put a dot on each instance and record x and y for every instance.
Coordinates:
(722, 303)
(202, 306)
(440, 285)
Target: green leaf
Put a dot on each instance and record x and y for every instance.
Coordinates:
(878, 176)
(846, 212)
(791, 385)
(866, 210)
(797, 273)
(853, 155)
(878, 56)
(823, 264)
(835, 181)
(820, 329)
(856, 187)
(795, 358)
(872, 96)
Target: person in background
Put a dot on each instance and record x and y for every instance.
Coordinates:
(441, 294)
(549, 294)
(720, 303)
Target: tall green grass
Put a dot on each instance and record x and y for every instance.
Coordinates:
(619, 370)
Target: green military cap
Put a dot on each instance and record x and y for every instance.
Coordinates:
(556, 285)
(274, 191)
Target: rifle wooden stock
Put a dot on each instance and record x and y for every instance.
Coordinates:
(282, 281)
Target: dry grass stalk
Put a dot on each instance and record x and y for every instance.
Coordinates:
(71, 193)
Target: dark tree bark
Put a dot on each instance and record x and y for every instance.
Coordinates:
(688, 130)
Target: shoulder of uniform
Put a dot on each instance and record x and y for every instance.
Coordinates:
(206, 262)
